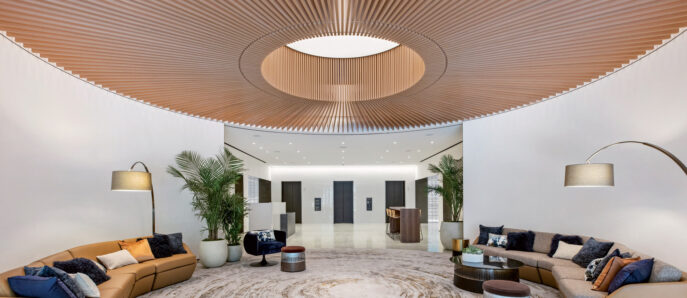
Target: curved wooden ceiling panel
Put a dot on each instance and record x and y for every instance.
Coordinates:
(202, 57)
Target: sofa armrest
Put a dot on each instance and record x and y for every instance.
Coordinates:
(188, 250)
(280, 236)
(656, 289)
(250, 243)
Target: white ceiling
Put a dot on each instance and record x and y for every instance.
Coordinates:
(278, 148)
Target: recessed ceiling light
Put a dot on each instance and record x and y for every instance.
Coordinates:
(260, 148)
(418, 150)
(253, 143)
(387, 150)
(431, 142)
(343, 151)
(290, 143)
(408, 156)
(343, 143)
(342, 157)
(395, 142)
(303, 157)
(342, 46)
(267, 151)
(298, 151)
(276, 157)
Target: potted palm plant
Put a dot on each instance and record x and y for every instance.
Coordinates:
(235, 211)
(209, 179)
(451, 190)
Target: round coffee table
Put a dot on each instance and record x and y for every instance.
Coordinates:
(470, 276)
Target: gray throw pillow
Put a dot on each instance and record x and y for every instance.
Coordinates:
(663, 272)
(591, 250)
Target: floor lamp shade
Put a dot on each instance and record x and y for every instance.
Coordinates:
(589, 175)
(131, 181)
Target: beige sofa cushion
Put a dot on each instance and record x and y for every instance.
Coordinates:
(548, 263)
(577, 288)
(565, 272)
(542, 242)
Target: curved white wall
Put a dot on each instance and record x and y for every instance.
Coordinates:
(61, 138)
(514, 162)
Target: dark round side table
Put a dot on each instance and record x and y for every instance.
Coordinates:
(470, 276)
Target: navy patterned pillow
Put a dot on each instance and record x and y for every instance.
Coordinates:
(266, 235)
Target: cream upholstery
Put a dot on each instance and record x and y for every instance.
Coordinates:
(128, 281)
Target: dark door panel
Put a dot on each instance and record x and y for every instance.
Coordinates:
(395, 194)
(291, 195)
(421, 198)
(264, 191)
(343, 201)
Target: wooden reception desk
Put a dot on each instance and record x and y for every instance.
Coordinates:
(405, 221)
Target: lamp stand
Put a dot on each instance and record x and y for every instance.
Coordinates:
(152, 193)
(664, 151)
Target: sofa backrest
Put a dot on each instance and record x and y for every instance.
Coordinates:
(91, 251)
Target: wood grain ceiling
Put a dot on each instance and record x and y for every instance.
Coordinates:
(202, 57)
(350, 79)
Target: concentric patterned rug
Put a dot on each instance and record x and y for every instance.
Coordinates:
(335, 273)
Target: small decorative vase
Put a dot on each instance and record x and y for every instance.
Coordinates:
(213, 253)
(473, 258)
(235, 253)
(448, 231)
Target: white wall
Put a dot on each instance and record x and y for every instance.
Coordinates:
(455, 151)
(61, 138)
(368, 181)
(514, 162)
(252, 166)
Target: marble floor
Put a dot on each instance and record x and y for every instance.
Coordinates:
(361, 236)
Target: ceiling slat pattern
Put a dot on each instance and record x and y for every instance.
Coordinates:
(204, 57)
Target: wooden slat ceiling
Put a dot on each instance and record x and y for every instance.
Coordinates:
(350, 79)
(202, 57)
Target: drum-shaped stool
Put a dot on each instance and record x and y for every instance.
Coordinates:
(505, 289)
(292, 258)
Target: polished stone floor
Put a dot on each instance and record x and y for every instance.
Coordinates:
(361, 236)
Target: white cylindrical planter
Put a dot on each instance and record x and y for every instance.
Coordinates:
(448, 231)
(213, 253)
(472, 258)
(235, 252)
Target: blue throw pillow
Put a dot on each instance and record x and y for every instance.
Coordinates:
(485, 231)
(38, 286)
(175, 242)
(634, 273)
(47, 271)
(522, 241)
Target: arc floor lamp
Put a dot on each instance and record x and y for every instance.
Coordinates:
(601, 174)
(134, 181)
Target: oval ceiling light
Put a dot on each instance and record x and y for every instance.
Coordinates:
(342, 46)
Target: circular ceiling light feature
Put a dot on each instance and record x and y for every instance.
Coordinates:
(342, 46)
(343, 80)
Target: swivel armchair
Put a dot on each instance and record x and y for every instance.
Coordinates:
(256, 247)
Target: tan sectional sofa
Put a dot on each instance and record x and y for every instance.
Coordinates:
(128, 281)
(568, 277)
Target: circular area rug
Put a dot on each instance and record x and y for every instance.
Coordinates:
(335, 273)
